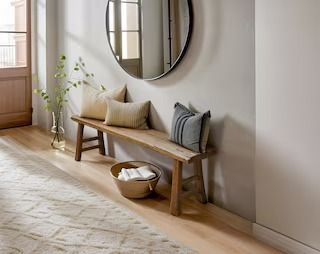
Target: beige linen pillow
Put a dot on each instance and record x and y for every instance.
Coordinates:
(94, 101)
(130, 115)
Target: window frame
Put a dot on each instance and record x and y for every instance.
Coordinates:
(27, 33)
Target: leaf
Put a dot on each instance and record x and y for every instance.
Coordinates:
(76, 69)
(92, 75)
(36, 90)
(103, 87)
(63, 58)
(47, 107)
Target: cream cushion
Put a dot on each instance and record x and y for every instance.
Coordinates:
(94, 101)
(130, 115)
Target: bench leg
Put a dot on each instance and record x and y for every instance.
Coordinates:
(199, 183)
(79, 142)
(102, 149)
(175, 202)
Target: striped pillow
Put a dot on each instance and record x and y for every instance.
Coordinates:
(130, 115)
(190, 129)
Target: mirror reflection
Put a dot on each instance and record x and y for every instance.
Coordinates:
(148, 37)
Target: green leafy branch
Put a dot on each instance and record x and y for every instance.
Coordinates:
(64, 84)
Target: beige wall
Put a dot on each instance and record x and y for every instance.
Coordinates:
(217, 74)
(288, 120)
(44, 55)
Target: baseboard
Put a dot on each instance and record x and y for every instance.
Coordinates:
(281, 242)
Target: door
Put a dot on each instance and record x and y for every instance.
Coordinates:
(15, 63)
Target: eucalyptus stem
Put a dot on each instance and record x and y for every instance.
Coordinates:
(57, 121)
(64, 83)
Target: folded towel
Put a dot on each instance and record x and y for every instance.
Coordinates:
(146, 173)
(123, 175)
(136, 174)
(133, 174)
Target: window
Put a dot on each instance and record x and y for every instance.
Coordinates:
(124, 28)
(130, 30)
(13, 33)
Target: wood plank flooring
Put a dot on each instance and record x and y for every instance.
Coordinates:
(205, 228)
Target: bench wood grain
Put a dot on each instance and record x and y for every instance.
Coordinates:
(156, 141)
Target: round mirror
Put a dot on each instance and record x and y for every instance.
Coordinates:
(149, 37)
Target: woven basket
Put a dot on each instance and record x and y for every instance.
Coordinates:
(135, 189)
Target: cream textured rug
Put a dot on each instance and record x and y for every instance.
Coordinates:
(44, 210)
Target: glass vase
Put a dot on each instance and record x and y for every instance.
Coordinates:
(57, 130)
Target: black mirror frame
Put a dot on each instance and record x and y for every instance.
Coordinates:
(181, 55)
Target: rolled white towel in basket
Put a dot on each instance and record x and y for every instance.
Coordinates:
(123, 175)
(146, 173)
(136, 174)
(133, 174)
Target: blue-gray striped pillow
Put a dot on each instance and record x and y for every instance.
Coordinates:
(190, 129)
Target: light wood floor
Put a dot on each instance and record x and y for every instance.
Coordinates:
(205, 228)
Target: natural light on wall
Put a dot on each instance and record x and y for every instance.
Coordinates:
(13, 33)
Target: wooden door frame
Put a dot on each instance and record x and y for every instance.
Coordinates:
(21, 72)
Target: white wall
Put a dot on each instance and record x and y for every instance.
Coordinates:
(288, 120)
(45, 55)
(217, 74)
(39, 63)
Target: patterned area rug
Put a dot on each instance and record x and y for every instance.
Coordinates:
(44, 210)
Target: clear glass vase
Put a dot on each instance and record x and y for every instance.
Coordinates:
(57, 131)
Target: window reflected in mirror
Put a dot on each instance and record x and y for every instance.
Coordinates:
(148, 37)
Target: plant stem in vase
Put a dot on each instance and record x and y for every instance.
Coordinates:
(56, 101)
(57, 130)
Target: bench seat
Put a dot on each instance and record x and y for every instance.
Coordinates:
(156, 141)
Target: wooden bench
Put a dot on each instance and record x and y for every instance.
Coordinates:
(156, 141)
